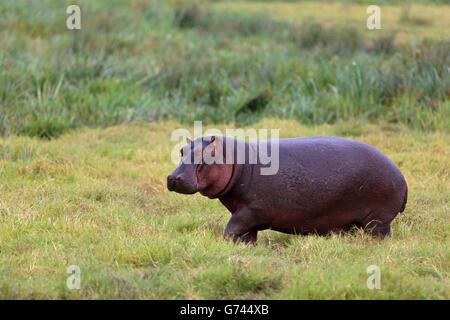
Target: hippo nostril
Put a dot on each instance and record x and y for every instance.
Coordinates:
(171, 182)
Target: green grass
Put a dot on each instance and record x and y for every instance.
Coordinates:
(97, 198)
(182, 60)
(85, 124)
(408, 20)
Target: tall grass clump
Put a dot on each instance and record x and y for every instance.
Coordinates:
(151, 60)
(337, 40)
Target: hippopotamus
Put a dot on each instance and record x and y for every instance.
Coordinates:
(323, 184)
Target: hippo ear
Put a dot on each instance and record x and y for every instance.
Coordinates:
(188, 141)
(212, 147)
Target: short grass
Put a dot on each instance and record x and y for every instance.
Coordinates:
(97, 198)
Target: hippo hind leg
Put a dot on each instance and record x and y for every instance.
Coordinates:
(378, 223)
(377, 229)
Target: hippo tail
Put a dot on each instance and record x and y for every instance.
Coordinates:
(404, 200)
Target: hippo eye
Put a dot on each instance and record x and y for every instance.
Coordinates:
(181, 152)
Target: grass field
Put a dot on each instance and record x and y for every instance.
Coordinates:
(97, 198)
(85, 124)
(159, 60)
(409, 21)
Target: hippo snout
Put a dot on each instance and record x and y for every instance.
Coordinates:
(181, 184)
(171, 182)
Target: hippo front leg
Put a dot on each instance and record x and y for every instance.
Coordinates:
(242, 225)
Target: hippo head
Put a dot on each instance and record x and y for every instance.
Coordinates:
(203, 168)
